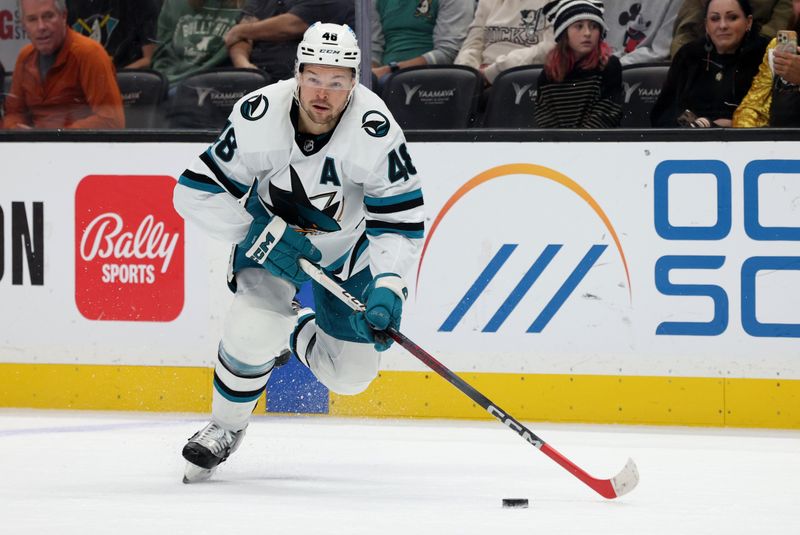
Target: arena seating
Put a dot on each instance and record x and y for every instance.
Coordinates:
(204, 100)
(433, 96)
(641, 86)
(427, 97)
(513, 98)
(143, 91)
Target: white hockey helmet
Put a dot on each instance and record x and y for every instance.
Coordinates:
(329, 44)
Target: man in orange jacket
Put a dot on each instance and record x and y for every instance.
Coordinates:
(62, 79)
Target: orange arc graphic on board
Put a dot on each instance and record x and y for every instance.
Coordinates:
(533, 170)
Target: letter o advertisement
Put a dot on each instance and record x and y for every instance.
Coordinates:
(129, 249)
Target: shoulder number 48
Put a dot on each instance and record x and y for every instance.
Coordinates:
(400, 167)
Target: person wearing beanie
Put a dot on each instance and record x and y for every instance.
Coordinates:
(581, 83)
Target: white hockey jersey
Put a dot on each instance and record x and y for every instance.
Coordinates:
(359, 193)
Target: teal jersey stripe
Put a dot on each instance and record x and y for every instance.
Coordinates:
(412, 234)
(336, 264)
(194, 184)
(393, 199)
(231, 185)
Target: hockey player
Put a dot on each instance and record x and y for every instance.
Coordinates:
(313, 167)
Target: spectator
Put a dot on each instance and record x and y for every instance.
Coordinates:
(774, 98)
(422, 32)
(127, 30)
(581, 83)
(710, 76)
(505, 34)
(191, 36)
(62, 79)
(769, 15)
(267, 36)
(640, 31)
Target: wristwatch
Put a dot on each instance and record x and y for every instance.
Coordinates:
(393, 66)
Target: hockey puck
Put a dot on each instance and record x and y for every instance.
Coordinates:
(515, 503)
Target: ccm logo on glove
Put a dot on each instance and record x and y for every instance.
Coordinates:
(267, 240)
(274, 245)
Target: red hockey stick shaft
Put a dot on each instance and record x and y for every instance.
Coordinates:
(622, 483)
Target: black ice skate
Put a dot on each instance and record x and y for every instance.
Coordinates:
(208, 448)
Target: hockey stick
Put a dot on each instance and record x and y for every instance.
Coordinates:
(624, 482)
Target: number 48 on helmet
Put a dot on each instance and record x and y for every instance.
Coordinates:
(329, 44)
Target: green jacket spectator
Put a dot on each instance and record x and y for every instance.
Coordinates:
(191, 36)
(405, 34)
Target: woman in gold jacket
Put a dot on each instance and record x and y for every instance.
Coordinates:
(774, 95)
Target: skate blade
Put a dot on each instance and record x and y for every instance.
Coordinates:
(196, 474)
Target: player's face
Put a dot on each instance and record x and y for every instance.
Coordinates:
(45, 24)
(726, 25)
(583, 36)
(323, 93)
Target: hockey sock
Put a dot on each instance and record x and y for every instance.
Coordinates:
(237, 387)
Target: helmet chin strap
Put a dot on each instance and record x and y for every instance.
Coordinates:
(350, 93)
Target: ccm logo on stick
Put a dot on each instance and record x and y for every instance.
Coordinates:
(511, 423)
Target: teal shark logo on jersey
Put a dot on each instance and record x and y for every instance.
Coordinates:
(296, 208)
(254, 108)
(375, 123)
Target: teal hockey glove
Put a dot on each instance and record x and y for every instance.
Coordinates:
(383, 299)
(274, 245)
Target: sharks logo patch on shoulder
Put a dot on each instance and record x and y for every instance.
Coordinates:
(255, 107)
(375, 123)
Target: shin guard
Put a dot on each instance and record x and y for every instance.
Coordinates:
(237, 387)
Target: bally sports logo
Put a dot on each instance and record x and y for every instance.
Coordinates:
(128, 249)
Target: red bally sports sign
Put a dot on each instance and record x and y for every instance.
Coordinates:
(128, 249)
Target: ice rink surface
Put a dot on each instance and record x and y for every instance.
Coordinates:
(120, 473)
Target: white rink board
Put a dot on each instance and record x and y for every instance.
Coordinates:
(604, 326)
(51, 173)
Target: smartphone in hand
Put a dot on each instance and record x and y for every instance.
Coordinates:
(787, 41)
